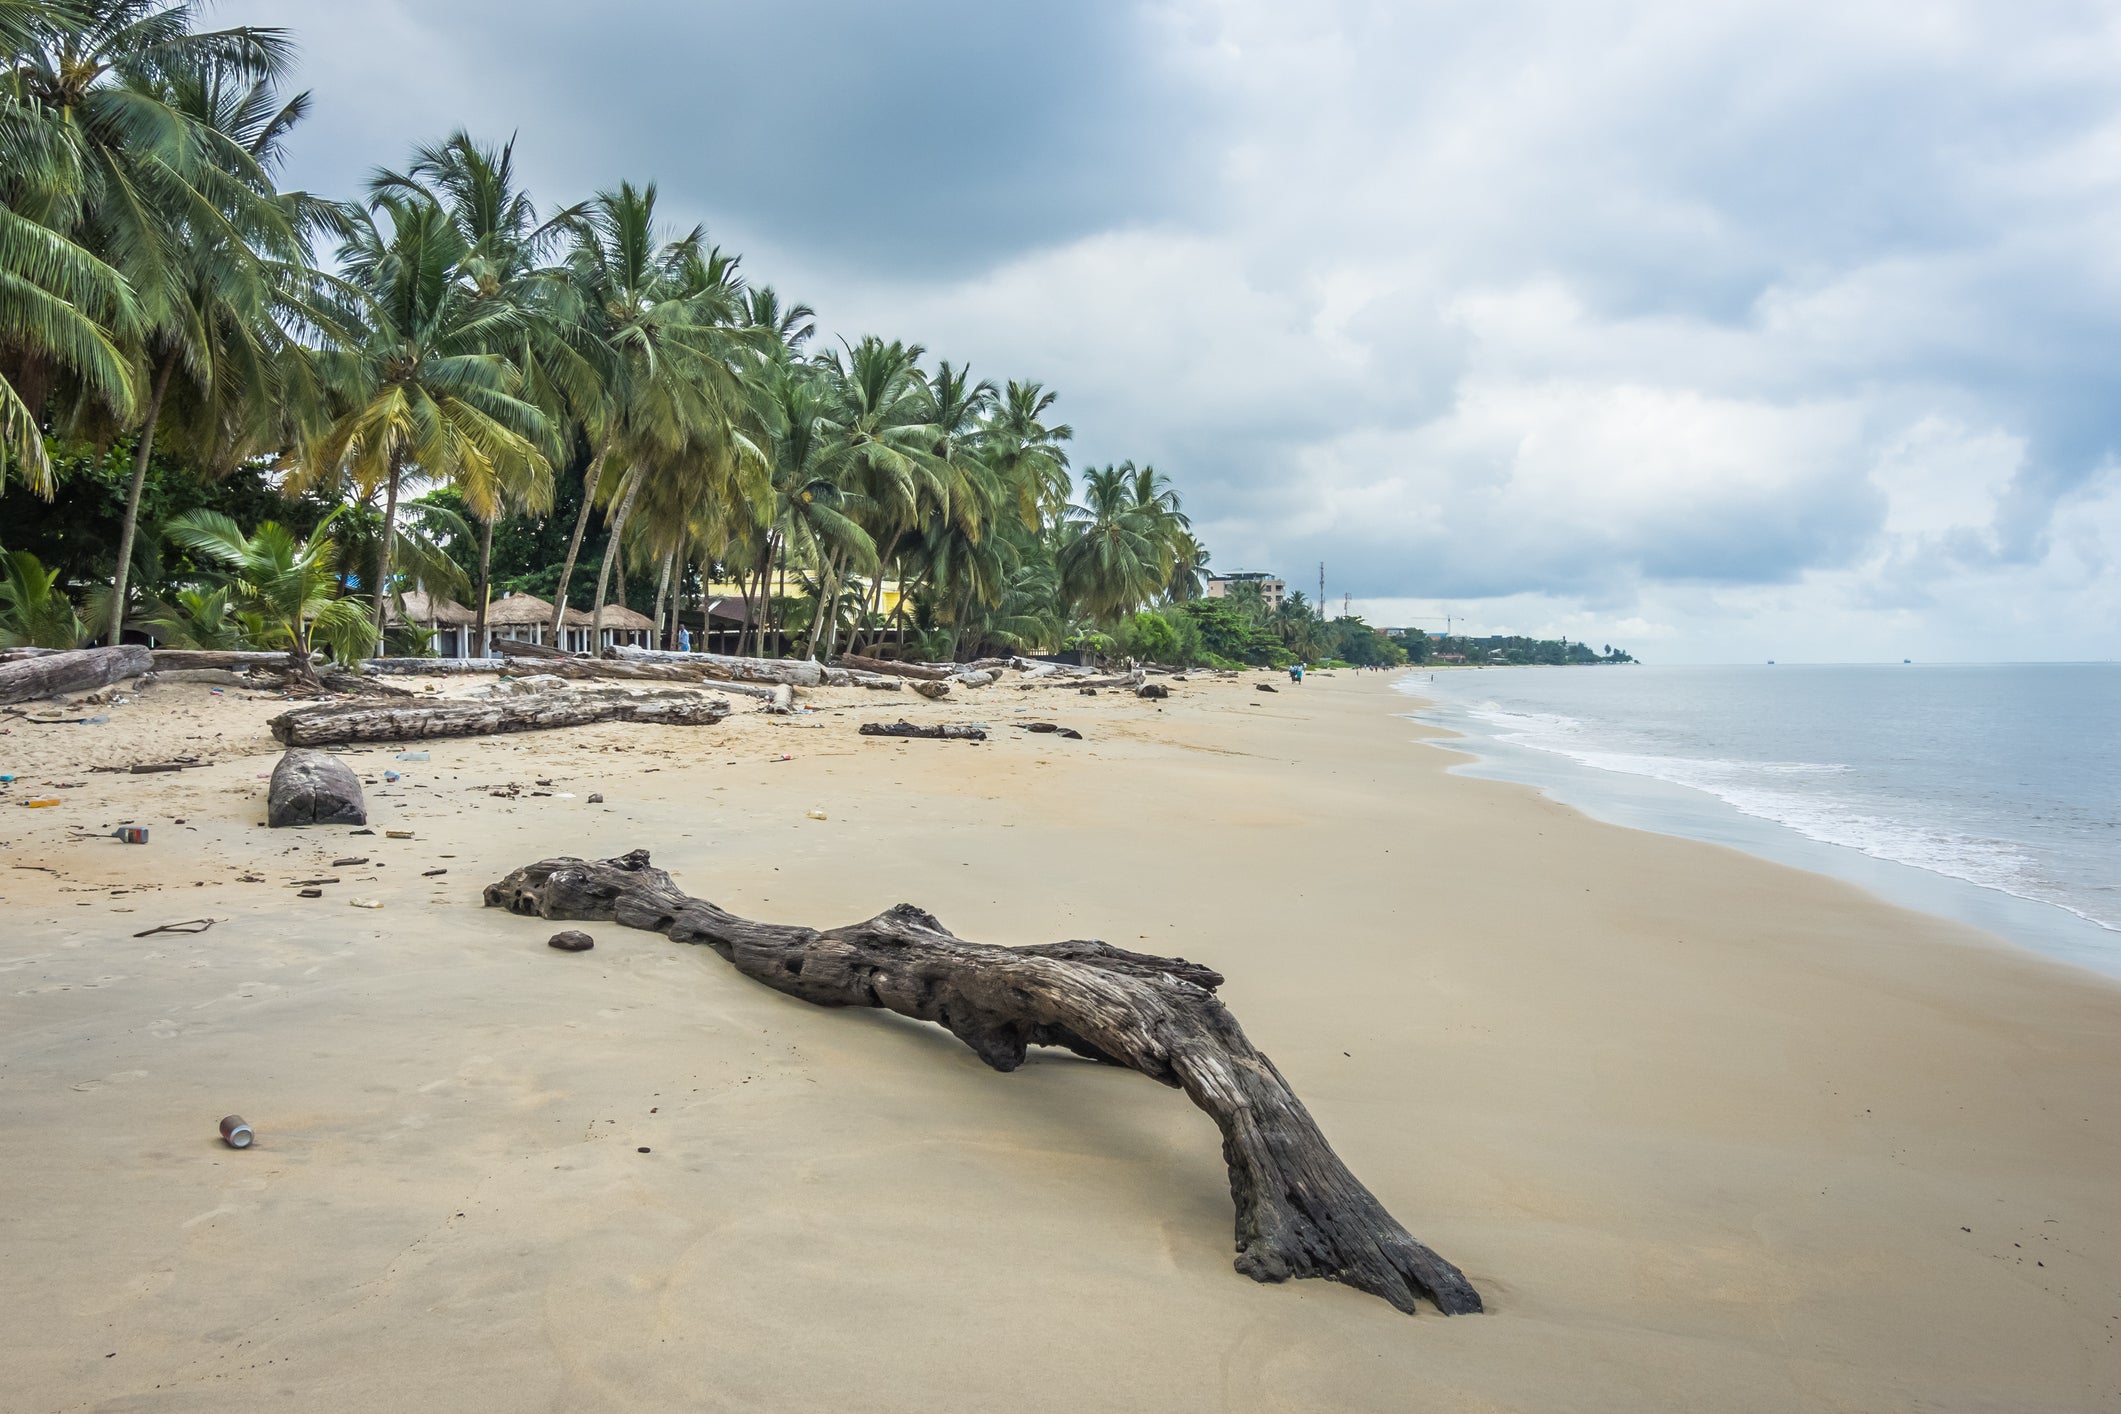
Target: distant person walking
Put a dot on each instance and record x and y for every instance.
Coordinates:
(684, 639)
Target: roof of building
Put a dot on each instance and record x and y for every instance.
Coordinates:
(420, 608)
(616, 616)
(512, 610)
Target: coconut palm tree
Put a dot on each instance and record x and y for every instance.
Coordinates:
(419, 388)
(1116, 554)
(290, 585)
(658, 327)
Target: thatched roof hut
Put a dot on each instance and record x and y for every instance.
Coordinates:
(421, 608)
(518, 611)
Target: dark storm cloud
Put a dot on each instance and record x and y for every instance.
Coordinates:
(928, 137)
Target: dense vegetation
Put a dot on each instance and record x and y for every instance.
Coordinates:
(1506, 649)
(201, 371)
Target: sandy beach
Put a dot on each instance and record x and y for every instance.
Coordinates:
(1708, 1133)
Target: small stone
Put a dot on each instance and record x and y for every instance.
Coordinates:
(1152, 689)
(348, 862)
(310, 893)
(571, 941)
(815, 814)
(596, 798)
(643, 1149)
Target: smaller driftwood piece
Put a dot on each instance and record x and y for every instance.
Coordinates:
(948, 731)
(1300, 1212)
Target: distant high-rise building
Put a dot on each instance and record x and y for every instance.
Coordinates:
(1271, 590)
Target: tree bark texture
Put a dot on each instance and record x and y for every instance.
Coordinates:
(75, 670)
(925, 671)
(333, 724)
(148, 418)
(590, 478)
(1300, 1212)
(166, 659)
(947, 731)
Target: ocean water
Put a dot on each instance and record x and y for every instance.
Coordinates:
(1987, 793)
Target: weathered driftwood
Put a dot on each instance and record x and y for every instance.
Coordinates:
(947, 731)
(524, 648)
(607, 669)
(796, 672)
(1134, 678)
(1300, 1212)
(210, 677)
(314, 788)
(333, 724)
(927, 672)
(882, 684)
(933, 691)
(432, 667)
(1152, 689)
(75, 670)
(167, 659)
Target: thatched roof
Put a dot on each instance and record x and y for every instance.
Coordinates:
(421, 609)
(619, 616)
(518, 611)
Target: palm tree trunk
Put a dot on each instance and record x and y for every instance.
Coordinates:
(662, 588)
(611, 549)
(780, 593)
(876, 593)
(827, 600)
(132, 498)
(755, 604)
(386, 545)
(478, 632)
(590, 478)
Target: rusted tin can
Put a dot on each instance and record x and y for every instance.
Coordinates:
(132, 834)
(235, 1132)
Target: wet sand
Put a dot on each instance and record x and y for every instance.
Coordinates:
(1708, 1133)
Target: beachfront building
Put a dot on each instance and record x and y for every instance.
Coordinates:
(525, 618)
(448, 623)
(1271, 589)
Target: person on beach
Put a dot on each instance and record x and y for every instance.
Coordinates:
(684, 639)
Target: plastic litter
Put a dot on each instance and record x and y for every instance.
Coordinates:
(815, 814)
(412, 756)
(131, 834)
(41, 801)
(397, 834)
(364, 903)
(235, 1132)
(390, 775)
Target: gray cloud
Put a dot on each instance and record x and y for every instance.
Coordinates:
(1685, 318)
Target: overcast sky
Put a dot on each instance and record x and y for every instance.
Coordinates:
(1717, 331)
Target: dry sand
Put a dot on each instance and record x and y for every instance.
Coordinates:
(1710, 1134)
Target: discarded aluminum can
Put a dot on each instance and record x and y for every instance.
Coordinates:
(131, 834)
(235, 1132)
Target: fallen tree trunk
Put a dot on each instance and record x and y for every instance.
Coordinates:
(1300, 1212)
(168, 658)
(432, 667)
(76, 670)
(524, 648)
(333, 724)
(1131, 679)
(606, 669)
(796, 672)
(923, 671)
(948, 731)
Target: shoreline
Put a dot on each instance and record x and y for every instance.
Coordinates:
(1706, 1131)
(1661, 805)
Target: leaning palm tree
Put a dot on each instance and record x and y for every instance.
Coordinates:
(290, 585)
(419, 389)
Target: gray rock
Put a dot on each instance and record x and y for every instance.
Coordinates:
(314, 788)
(1152, 689)
(571, 941)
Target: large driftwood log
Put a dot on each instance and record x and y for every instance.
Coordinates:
(168, 658)
(76, 670)
(608, 669)
(796, 672)
(333, 725)
(1300, 1213)
(924, 671)
(524, 648)
(432, 667)
(1129, 679)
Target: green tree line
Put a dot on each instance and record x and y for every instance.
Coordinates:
(213, 387)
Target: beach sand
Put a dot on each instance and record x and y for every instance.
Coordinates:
(1708, 1133)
